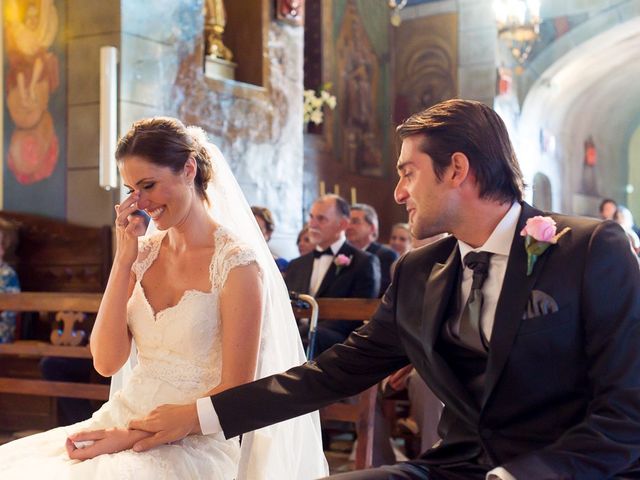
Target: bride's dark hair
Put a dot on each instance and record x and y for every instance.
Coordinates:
(165, 141)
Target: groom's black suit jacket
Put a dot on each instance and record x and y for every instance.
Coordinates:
(562, 390)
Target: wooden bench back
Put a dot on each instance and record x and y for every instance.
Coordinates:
(49, 302)
(57, 256)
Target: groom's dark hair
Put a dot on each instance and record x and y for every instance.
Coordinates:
(477, 131)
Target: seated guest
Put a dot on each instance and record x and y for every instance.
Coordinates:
(264, 217)
(400, 239)
(335, 268)
(8, 278)
(624, 217)
(304, 243)
(362, 233)
(608, 208)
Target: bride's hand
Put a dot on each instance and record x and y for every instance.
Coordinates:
(128, 229)
(104, 441)
(166, 423)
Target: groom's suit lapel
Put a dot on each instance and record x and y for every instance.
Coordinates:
(516, 289)
(440, 288)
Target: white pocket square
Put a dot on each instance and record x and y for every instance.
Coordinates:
(539, 303)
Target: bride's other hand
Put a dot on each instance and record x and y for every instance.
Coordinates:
(128, 229)
(104, 441)
(166, 423)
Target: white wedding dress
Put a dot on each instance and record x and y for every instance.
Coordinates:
(179, 360)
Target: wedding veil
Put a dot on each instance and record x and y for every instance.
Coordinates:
(291, 449)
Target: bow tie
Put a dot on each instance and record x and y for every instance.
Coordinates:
(318, 253)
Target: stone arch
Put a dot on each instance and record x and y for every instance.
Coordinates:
(590, 96)
(596, 24)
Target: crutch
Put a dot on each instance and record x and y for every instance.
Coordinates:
(304, 301)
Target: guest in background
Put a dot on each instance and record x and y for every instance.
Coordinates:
(625, 218)
(264, 217)
(8, 278)
(400, 239)
(608, 208)
(334, 269)
(362, 233)
(305, 245)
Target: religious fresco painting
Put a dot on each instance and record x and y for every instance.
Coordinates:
(361, 76)
(426, 63)
(35, 106)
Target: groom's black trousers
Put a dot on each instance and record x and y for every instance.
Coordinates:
(417, 470)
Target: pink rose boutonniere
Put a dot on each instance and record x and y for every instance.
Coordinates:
(540, 233)
(341, 261)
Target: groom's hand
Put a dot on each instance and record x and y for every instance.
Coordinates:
(167, 423)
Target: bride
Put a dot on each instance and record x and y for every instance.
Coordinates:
(208, 310)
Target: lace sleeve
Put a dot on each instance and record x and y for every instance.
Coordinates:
(236, 255)
(147, 248)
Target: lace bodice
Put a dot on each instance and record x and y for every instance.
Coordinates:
(179, 347)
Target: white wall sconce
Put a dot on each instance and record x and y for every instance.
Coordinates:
(108, 173)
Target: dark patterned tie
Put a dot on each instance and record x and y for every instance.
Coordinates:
(471, 321)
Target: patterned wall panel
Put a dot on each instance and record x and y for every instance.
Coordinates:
(426, 63)
(35, 107)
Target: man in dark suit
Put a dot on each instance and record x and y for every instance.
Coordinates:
(321, 273)
(536, 360)
(362, 233)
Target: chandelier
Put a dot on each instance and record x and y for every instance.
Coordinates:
(518, 25)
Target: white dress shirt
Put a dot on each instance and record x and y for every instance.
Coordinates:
(321, 265)
(498, 243)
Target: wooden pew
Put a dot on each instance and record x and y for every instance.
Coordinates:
(49, 302)
(52, 255)
(361, 413)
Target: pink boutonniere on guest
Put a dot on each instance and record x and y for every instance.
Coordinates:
(540, 233)
(341, 261)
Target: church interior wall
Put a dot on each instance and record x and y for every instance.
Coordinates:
(440, 50)
(578, 101)
(161, 49)
(257, 121)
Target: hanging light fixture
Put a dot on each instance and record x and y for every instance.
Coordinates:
(518, 25)
(396, 6)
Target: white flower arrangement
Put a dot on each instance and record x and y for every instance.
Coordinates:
(313, 103)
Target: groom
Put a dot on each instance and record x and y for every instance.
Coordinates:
(538, 368)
